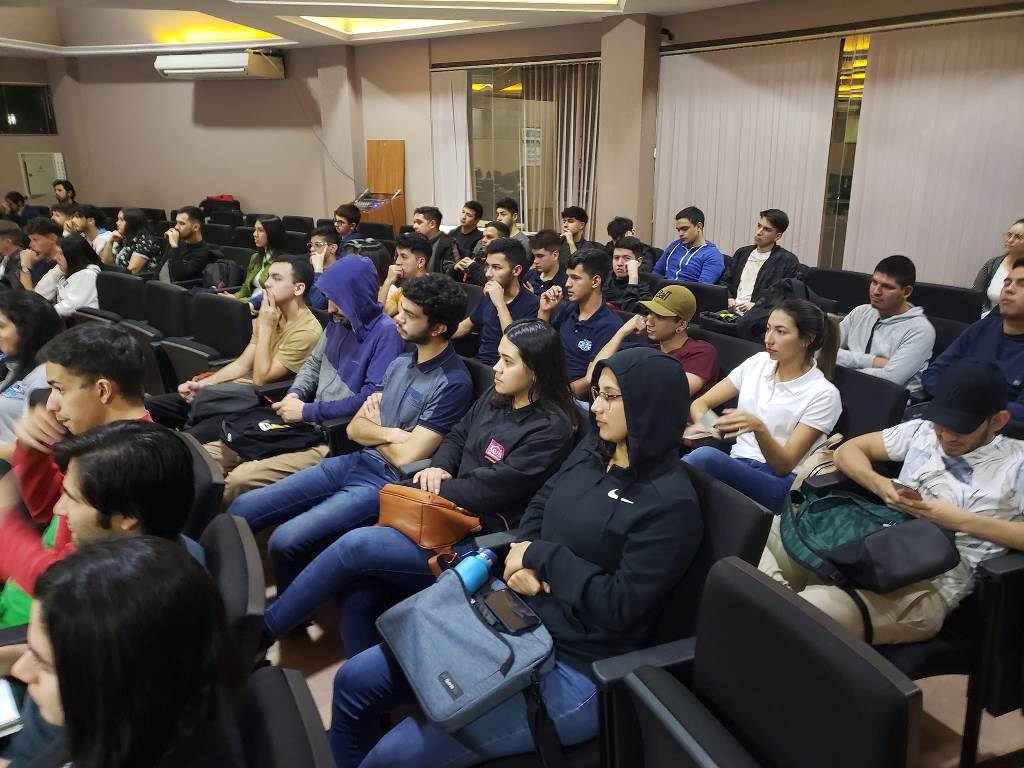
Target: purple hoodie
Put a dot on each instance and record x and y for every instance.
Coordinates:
(349, 361)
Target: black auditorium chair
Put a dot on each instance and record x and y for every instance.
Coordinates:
(303, 224)
(324, 223)
(240, 256)
(155, 214)
(772, 681)
(734, 526)
(233, 561)
(158, 228)
(280, 724)
(218, 234)
(467, 346)
(165, 314)
(110, 212)
(231, 218)
(870, 403)
(948, 301)
(220, 330)
(731, 350)
(376, 230)
(295, 243)
(208, 493)
(252, 218)
(710, 298)
(120, 297)
(243, 237)
(946, 332)
(848, 289)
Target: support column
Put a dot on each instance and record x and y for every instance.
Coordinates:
(627, 125)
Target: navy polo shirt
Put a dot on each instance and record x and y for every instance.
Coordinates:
(485, 317)
(583, 339)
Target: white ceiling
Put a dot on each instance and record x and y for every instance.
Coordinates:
(97, 27)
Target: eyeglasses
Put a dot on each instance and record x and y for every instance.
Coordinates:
(1013, 237)
(316, 246)
(608, 397)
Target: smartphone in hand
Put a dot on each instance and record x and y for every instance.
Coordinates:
(906, 491)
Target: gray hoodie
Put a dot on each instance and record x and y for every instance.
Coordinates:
(905, 339)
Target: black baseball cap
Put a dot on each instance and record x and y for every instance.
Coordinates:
(966, 394)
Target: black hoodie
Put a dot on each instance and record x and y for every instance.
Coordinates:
(613, 543)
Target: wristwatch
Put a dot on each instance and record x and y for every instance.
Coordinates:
(26, 271)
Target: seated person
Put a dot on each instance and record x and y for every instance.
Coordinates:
(11, 246)
(997, 338)
(504, 300)
(889, 337)
(669, 317)
(989, 280)
(506, 211)
(756, 268)
(625, 288)
(90, 223)
(467, 234)
(787, 406)
(426, 221)
(346, 366)
(584, 323)
(283, 335)
(38, 259)
(600, 547)
(574, 222)
(690, 258)
(423, 395)
(15, 206)
(346, 222)
(95, 374)
(621, 227)
(547, 271)
(473, 269)
(130, 246)
(509, 443)
(63, 215)
(71, 284)
(412, 252)
(27, 323)
(968, 480)
(102, 640)
(268, 236)
(323, 252)
(186, 254)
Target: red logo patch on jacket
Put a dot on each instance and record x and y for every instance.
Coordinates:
(495, 451)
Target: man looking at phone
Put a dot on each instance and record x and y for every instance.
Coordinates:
(958, 472)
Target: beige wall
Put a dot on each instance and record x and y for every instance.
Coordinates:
(517, 44)
(23, 71)
(38, 25)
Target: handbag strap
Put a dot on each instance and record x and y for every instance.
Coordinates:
(869, 629)
(444, 559)
(542, 728)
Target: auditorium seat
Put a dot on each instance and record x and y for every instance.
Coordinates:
(946, 332)
(948, 301)
(280, 724)
(208, 484)
(120, 297)
(324, 223)
(376, 230)
(303, 224)
(220, 329)
(870, 403)
(252, 218)
(848, 289)
(154, 214)
(295, 243)
(218, 234)
(243, 238)
(165, 314)
(240, 256)
(231, 218)
(110, 212)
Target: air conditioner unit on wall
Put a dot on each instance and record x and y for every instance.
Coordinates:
(221, 66)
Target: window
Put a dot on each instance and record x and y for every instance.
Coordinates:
(853, 65)
(26, 109)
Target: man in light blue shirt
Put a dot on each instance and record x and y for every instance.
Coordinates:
(691, 258)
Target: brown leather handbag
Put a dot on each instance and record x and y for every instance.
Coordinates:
(432, 522)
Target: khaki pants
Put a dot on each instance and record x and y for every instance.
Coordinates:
(241, 476)
(906, 615)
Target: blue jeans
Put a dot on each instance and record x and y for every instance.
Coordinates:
(312, 508)
(371, 684)
(751, 478)
(360, 557)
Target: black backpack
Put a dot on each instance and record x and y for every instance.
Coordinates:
(374, 250)
(260, 433)
(752, 325)
(223, 273)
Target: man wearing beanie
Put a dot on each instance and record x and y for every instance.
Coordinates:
(969, 480)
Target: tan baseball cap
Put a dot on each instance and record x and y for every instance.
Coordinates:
(673, 301)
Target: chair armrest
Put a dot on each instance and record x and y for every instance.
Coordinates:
(829, 481)
(337, 438)
(410, 469)
(276, 390)
(677, 656)
(14, 635)
(194, 283)
(496, 541)
(1000, 583)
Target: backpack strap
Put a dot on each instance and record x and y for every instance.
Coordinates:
(869, 632)
(542, 727)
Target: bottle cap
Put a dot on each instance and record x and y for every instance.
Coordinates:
(489, 554)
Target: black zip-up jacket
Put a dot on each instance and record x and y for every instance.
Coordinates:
(612, 544)
(187, 261)
(624, 296)
(499, 456)
(780, 264)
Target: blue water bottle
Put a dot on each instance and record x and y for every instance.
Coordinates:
(473, 569)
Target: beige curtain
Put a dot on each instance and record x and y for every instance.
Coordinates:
(939, 172)
(742, 130)
(449, 127)
(562, 101)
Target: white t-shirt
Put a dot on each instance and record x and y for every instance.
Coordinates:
(995, 287)
(749, 275)
(70, 293)
(810, 399)
(988, 481)
(101, 241)
(14, 400)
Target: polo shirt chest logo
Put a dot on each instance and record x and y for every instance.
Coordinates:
(494, 452)
(585, 344)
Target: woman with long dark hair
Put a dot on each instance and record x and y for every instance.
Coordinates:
(989, 279)
(600, 547)
(131, 246)
(787, 405)
(129, 652)
(27, 322)
(268, 235)
(71, 284)
(511, 440)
